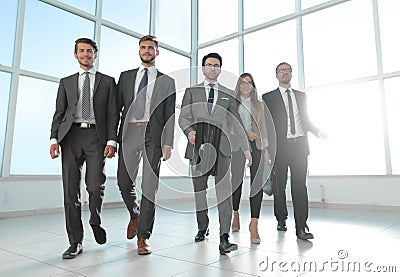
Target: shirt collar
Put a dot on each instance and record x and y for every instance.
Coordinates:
(152, 69)
(283, 90)
(91, 71)
(206, 83)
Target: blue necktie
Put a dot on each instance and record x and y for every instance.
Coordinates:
(86, 97)
(210, 98)
(140, 101)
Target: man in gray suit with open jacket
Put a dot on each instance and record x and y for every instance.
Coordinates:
(210, 101)
(84, 125)
(146, 98)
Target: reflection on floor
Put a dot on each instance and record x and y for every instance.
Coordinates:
(347, 243)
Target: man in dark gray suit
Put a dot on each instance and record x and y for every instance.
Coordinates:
(210, 100)
(146, 98)
(84, 125)
(288, 108)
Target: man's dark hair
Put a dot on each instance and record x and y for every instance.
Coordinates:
(211, 55)
(282, 63)
(85, 40)
(149, 38)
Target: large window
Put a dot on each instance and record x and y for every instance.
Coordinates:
(87, 5)
(230, 61)
(173, 23)
(217, 19)
(389, 21)
(48, 43)
(8, 15)
(265, 49)
(393, 114)
(339, 43)
(134, 15)
(261, 11)
(118, 52)
(335, 50)
(35, 109)
(352, 117)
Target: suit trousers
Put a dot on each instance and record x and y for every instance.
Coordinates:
(223, 188)
(79, 146)
(292, 156)
(256, 175)
(138, 146)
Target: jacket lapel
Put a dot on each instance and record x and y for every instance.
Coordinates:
(156, 94)
(130, 83)
(96, 82)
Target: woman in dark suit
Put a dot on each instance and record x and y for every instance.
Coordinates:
(251, 112)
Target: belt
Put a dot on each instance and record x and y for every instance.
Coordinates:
(138, 124)
(84, 125)
(293, 140)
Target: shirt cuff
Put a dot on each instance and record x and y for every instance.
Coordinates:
(112, 143)
(53, 141)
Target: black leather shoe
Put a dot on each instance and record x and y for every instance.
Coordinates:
(281, 225)
(99, 234)
(302, 234)
(74, 250)
(201, 235)
(225, 246)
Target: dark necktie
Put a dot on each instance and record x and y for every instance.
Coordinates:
(86, 97)
(140, 101)
(210, 98)
(291, 114)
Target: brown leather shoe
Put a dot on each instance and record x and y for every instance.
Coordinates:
(132, 228)
(144, 247)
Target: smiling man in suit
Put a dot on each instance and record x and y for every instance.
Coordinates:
(84, 125)
(146, 99)
(213, 102)
(288, 108)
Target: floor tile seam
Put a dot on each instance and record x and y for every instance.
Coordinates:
(187, 271)
(167, 248)
(39, 261)
(246, 273)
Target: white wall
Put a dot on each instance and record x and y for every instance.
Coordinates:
(23, 194)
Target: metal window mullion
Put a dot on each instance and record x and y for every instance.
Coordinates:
(12, 104)
(378, 47)
(194, 41)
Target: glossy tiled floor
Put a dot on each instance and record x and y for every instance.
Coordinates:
(347, 243)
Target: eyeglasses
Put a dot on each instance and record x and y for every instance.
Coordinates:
(285, 70)
(212, 65)
(246, 83)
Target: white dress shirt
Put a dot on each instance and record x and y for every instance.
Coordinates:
(152, 75)
(297, 120)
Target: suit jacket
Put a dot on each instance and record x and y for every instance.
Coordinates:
(104, 107)
(276, 106)
(258, 126)
(162, 106)
(194, 107)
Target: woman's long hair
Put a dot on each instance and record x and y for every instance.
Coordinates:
(253, 94)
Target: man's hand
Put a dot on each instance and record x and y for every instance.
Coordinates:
(192, 137)
(248, 157)
(54, 151)
(166, 152)
(109, 151)
(322, 135)
(251, 135)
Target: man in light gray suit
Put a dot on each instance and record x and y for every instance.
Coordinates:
(84, 125)
(213, 102)
(146, 99)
